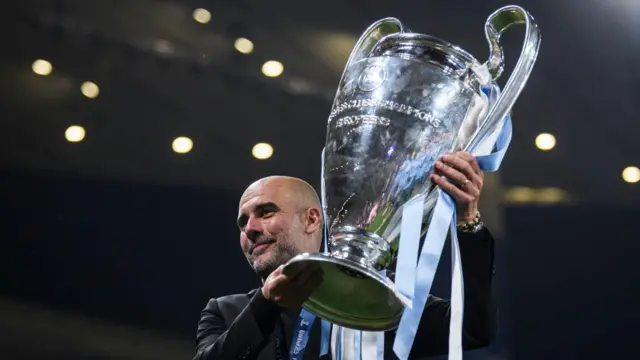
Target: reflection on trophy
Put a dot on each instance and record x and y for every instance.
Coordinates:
(404, 99)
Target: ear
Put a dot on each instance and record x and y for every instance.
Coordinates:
(313, 220)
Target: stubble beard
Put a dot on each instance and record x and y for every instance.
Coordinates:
(281, 253)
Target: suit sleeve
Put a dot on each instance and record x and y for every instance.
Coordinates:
(248, 332)
(479, 324)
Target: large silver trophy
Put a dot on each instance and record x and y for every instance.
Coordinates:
(404, 99)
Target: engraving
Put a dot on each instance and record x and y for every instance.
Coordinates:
(371, 78)
(355, 120)
(385, 104)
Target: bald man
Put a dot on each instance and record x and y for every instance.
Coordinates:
(280, 217)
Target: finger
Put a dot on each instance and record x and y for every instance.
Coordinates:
(471, 160)
(458, 194)
(277, 271)
(278, 281)
(273, 286)
(292, 270)
(464, 167)
(459, 180)
(459, 164)
(450, 173)
(467, 186)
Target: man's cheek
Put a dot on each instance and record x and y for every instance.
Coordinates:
(244, 244)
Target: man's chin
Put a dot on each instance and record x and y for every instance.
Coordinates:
(265, 264)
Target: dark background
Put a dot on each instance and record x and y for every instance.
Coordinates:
(109, 248)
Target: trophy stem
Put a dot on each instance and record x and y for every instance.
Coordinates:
(364, 248)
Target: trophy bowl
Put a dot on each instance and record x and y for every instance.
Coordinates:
(404, 99)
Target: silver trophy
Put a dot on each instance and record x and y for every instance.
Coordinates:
(404, 99)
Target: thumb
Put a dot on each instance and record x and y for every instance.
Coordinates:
(277, 272)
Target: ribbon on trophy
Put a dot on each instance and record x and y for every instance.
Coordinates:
(443, 221)
(413, 282)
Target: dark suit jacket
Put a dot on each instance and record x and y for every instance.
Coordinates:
(244, 326)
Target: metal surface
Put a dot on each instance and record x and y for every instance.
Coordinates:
(354, 296)
(403, 100)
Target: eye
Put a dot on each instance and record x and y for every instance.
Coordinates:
(242, 222)
(266, 212)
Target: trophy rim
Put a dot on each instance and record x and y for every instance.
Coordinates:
(436, 42)
(382, 283)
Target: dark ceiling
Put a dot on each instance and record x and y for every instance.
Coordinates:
(195, 84)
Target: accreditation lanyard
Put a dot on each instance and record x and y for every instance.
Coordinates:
(301, 334)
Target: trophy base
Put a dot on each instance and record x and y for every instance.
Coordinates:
(352, 295)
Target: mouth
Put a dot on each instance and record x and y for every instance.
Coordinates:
(260, 246)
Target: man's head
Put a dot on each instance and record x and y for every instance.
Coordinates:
(279, 217)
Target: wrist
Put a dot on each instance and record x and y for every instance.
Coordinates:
(466, 217)
(470, 224)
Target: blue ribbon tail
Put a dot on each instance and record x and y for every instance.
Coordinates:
(409, 245)
(425, 272)
(380, 346)
(339, 344)
(357, 339)
(325, 337)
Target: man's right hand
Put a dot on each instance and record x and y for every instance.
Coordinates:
(290, 290)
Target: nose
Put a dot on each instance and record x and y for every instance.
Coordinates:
(253, 229)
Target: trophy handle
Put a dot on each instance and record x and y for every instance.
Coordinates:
(495, 25)
(370, 39)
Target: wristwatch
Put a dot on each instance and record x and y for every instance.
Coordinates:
(472, 226)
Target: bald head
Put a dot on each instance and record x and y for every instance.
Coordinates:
(279, 217)
(294, 189)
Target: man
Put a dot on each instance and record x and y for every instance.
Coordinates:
(280, 217)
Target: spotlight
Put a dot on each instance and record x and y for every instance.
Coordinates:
(74, 133)
(262, 151)
(243, 45)
(42, 67)
(545, 141)
(631, 174)
(272, 68)
(90, 89)
(182, 145)
(202, 16)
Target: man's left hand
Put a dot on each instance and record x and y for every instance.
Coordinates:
(460, 176)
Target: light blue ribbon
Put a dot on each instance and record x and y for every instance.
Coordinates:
(326, 338)
(339, 344)
(443, 220)
(410, 227)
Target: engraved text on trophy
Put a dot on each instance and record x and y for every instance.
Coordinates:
(361, 104)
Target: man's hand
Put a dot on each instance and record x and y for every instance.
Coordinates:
(460, 176)
(290, 290)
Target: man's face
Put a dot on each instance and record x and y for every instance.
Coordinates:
(271, 227)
